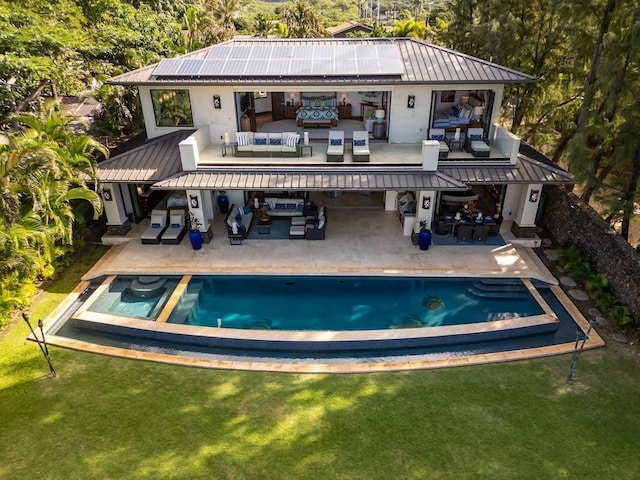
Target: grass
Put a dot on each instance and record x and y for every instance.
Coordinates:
(105, 417)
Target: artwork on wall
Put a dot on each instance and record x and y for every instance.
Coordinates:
(411, 101)
(216, 101)
(193, 199)
(447, 96)
(534, 195)
(106, 194)
(426, 203)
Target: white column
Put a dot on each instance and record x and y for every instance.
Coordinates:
(425, 206)
(196, 204)
(390, 200)
(528, 205)
(113, 204)
(430, 152)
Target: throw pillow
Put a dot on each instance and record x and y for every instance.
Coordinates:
(275, 141)
(245, 210)
(475, 138)
(300, 207)
(155, 225)
(260, 141)
(234, 228)
(437, 137)
(175, 225)
(292, 140)
(243, 141)
(267, 206)
(336, 141)
(359, 143)
(238, 218)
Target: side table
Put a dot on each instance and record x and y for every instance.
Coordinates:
(305, 146)
(226, 146)
(451, 141)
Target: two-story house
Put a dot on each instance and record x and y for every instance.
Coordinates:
(250, 116)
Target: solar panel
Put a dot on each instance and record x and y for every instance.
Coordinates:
(317, 59)
(167, 66)
(189, 67)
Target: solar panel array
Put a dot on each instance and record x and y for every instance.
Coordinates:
(288, 61)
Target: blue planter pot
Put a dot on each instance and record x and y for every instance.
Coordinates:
(223, 203)
(195, 237)
(424, 239)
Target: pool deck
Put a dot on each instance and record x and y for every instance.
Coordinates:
(358, 242)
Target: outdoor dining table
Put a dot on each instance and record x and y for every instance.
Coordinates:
(473, 220)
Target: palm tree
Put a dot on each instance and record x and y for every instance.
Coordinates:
(409, 28)
(225, 12)
(302, 21)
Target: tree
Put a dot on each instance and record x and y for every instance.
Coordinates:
(302, 21)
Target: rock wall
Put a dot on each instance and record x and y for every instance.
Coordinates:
(572, 222)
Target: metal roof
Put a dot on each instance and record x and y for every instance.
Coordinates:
(310, 179)
(151, 162)
(526, 170)
(422, 63)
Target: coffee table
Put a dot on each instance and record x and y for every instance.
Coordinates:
(451, 141)
(264, 225)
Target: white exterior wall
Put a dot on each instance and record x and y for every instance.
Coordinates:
(511, 201)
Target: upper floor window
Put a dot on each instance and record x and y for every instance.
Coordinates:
(172, 108)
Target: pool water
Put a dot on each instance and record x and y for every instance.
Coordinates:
(349, 303)
(123, 300)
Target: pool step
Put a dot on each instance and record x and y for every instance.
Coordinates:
(498, 288)
(186, 304)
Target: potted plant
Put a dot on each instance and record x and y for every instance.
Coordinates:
(424, 237)
(195, 235)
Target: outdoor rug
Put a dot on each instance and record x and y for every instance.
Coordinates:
(497, 241)
(279, 229)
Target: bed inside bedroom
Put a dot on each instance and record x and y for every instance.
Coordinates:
(317, 110)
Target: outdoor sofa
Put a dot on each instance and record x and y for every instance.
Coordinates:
(262, 144)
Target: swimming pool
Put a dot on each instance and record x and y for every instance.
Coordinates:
(316, 314)
(337, 303)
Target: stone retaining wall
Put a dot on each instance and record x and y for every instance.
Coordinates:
(573, 222)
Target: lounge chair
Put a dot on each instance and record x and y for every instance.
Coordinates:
(176, 230)
(360, 150)
(474, 143)
(158, 225)
(335, 150)
(439, 135)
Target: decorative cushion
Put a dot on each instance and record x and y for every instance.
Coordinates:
(260, 141)
(245, 210)
(300, 207)
(155, 225)
(243, 141)
(475, 138)
(268, 207)
(238, 217)
(280, 206)
(437, 137)
(175, 225)
(234, 228)
(275, 141)
(359, 143)
(292, 140)
(336, 141)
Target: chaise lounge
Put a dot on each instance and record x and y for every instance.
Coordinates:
(439, 135)
(360, 151)
(475, 145)
(238, 223)
(152, 235)
(176, 230)
(335, 150)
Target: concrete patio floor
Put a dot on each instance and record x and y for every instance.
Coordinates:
(358, 241)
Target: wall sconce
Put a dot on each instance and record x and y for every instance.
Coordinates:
(343, 97)
(106, 194)
(216, 102)
(411, 101)
(534, 195)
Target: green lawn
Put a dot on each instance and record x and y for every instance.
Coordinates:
(113, 418)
